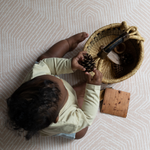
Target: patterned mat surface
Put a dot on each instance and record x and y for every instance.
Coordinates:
(29, 27)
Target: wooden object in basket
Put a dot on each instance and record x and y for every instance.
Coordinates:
(113, 56)
(115, 102)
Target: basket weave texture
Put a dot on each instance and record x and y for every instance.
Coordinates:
(105, 35)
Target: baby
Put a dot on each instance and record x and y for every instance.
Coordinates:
(47, 104)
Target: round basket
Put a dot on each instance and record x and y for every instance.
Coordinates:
(104, 36)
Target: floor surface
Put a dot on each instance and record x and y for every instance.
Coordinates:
(29, 27)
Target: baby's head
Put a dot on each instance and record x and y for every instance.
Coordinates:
(36, 104)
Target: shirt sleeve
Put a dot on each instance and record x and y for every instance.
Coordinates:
(78, 118)
(91, 101)
(58, 65)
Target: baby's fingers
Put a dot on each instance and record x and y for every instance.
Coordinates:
(98, 76)
(88, 76)
(97, 73)
(80, 55)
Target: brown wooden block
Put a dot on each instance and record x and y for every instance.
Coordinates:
(115, 102)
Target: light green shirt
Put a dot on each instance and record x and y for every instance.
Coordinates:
(71, 118)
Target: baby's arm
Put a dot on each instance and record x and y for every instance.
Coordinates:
(58, 65)
(91, 102)
(63, 66)
(84, 117)
(92, 95)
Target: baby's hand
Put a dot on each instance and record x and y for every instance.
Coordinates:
(75, 62)
(96, 79)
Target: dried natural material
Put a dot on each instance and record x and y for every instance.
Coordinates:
(118, 70)
(88, 63)
(126, 59)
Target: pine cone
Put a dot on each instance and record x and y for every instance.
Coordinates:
(88, 63)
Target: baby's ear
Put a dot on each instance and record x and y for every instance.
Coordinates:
(56, 119)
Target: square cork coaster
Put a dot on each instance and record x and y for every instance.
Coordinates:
(115, 102)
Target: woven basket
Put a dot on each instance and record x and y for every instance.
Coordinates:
(105, 36)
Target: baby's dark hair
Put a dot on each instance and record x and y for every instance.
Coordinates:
(33, 106)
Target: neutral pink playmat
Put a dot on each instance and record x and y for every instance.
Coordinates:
(29, 27)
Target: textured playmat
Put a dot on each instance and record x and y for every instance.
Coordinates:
(29, 27)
